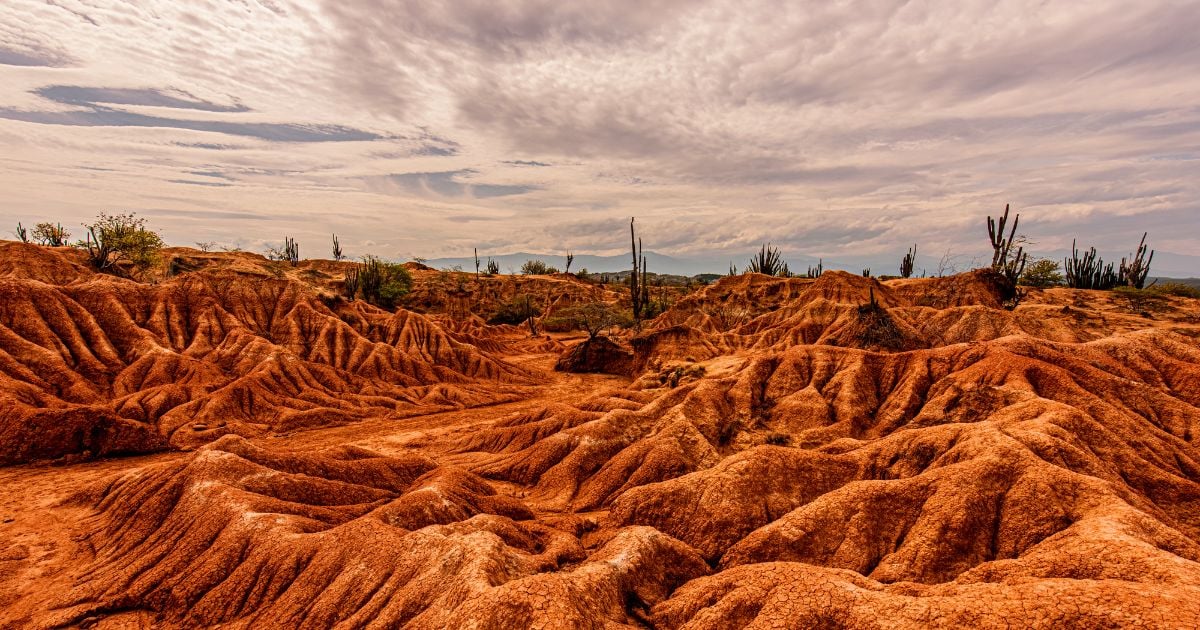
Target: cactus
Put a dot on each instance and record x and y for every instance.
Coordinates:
(1088, 271)
(767, 261)
(906, 265)
(815, 272)
(867, 272)
(21, 233)
(638, 291)
(352, 281)
(337, 249)
(570, 259)
(492, 268)
(1134, 272)
(1003, 262)
(291, 250)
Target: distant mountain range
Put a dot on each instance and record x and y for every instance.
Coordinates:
(1165, 264)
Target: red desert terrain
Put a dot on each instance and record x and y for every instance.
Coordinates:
(235, 445)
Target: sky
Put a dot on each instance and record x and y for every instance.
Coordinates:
(423, 128)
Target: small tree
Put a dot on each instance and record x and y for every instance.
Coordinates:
(1042, 274)
(205, 246)
(51, 234)
(121, 238)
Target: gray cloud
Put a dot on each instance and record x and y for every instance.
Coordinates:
(76, 95)
(450, 184)
(194, 182)
(34, 57)
(274, 132)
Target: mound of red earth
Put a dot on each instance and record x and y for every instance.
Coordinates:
(96, 365)
(790, 453)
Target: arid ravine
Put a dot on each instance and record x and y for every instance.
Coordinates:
(233, 445)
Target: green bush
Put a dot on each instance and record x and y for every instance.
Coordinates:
(51, 234)
(1042, 274)
(537, 268)
(383, 283)
(121, 238)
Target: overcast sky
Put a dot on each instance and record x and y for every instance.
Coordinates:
(426, 128)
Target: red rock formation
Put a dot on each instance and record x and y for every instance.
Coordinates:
(772, 463)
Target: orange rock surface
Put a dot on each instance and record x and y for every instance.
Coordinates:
(778, 453)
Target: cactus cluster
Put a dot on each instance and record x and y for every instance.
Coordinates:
(1090, 272)
(1003, 260)
(906, 264)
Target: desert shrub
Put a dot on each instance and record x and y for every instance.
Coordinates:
(537, 268)
(1042, 274)
(593, 318)
(515, 311)
(51, 234)
(779, 439)
(1177, 289)
(1141, 300)
(119, 239)
(382, 283)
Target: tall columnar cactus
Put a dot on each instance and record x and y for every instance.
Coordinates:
(337, 249)
(906, 265)
(638, 291)
(291, 250)
(353, 280)
(22, 233)
(815, 272)
(1133, 273)
(1010, 266)
(476, 249)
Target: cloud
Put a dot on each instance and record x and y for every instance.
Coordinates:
(45, 57)
(98, 116)
(194, 182)
(830, 129)
(449, 184)
(179, 99)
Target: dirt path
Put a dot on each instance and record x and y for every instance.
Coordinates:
(40, 530)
